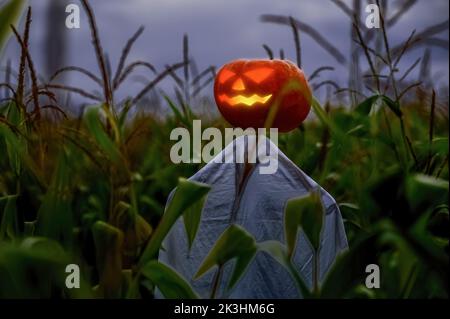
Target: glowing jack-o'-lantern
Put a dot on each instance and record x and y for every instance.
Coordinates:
(246, 90)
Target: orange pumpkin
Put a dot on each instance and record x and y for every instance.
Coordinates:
(245, 91)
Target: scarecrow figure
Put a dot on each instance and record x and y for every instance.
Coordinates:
(256, 93)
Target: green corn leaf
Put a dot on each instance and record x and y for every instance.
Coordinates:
(108, 246)
(28, 228)
(9, 227)
(124, 114)
(47, 246)
(177, 112)
(16, 149)
(393, 105)
(324, 118)
(135, 228)
(352, 214)
(35, 268)
(186, 194)
(9, 14)
(54, 218)
(191, 219)
(430, 250)
(234, 242)
(365, 106)
(18, 156)
(423, 190)
(348, 270)
(16, 146)
(307, 213)
(95, 127)
(168, 281)
(19, 264)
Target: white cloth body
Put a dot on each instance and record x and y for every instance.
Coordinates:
(261, 213)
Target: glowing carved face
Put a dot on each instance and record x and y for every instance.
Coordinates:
(245, 90)
(257, 75)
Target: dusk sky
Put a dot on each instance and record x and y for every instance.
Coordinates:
(222, 30)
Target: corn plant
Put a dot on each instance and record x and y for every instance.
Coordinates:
(91, 189)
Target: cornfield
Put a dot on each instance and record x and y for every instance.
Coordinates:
(90, 189)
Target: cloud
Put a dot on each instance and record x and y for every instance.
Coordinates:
(222, 30)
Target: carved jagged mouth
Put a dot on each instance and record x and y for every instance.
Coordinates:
(246, 100)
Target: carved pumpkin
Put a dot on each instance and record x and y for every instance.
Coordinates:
(246, 90)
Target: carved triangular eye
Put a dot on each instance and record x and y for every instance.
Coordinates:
(238, 85)
(225, 75)
(258, 75)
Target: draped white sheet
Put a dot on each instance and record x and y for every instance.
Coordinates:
(261, 213)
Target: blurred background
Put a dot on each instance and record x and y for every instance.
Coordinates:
(220, 31)
(89, 185)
